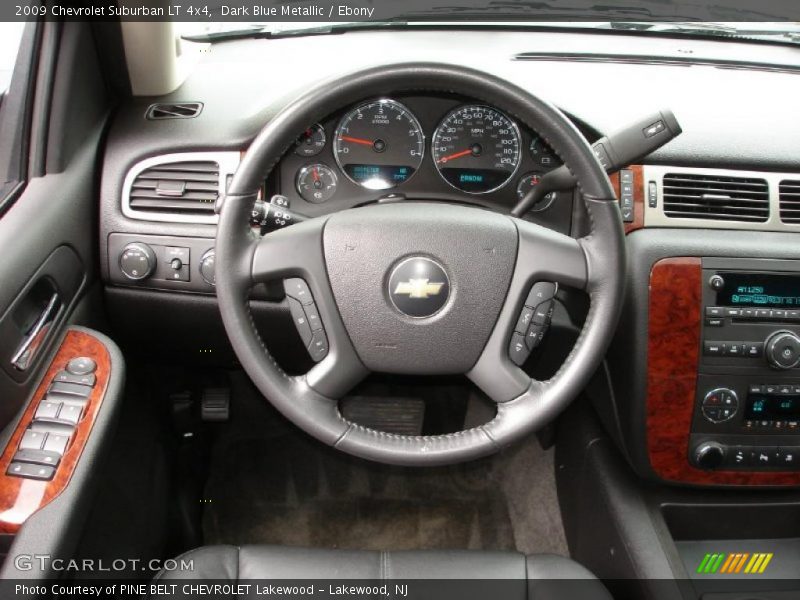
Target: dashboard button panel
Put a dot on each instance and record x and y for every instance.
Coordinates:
(533, 321)
(306, 318)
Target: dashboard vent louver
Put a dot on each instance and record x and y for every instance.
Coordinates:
(790, 201)
(720, 198)
(187, 187)
(178, 110)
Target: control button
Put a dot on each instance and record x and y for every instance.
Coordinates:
(779, 315)
(770, 389)
(720, 405)
(178, 271)
(709, 455)
(38, 457)
(716, 283)
(713, 348)
(755, 388)
(711, 413)
(535, 335)
(654, 129)
(749, 313)
(541, 291)
(30, 471)
(715, 311)
(47, 410)
(518, 350)
(300, 320)
(733, 312)
(56, 442)
(734, 349)
(762, 457)
(318, 348)
(32, 440)
(524, 320)
(739, 457)
(207, 262)
(783, 350)
(715, 322)
(543, 313)
(137, 261)
(312, 314)
(754, 349)
(788, 457)
(785, 389)
(652, 195)
(176, 264)
(81, 366)
(626, 176)
(70, 413)
(67, 377)
(793, 315)
(298, 289)
(70, 389)
(176, 253)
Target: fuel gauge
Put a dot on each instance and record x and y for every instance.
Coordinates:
(529, 181)
(311, 142)
(316, 183)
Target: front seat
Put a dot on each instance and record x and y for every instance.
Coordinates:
(441, 574)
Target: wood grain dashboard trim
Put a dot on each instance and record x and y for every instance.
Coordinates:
(673, 355)
(20, 497)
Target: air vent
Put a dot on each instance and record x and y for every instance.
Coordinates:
(187, 187)
(790, 201)
(718, 198)
(183, 110)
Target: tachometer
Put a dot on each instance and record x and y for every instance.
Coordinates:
(476, 149)
(379, 144)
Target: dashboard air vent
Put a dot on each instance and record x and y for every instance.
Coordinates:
(182, 110)
(719, 198)
(790, 201)
(187, 187)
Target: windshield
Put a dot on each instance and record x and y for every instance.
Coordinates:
(777, 32)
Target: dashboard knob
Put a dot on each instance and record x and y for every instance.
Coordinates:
(783, 350)
(137, 261)
(709, 455)
(207, 267)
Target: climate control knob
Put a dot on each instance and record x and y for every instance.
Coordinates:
(709, 455)
(137, 261)
(783, 350)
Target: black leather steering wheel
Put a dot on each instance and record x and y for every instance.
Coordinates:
(490, 262)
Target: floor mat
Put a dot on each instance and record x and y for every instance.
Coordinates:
(292, 491)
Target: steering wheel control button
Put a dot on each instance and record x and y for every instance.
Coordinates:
(318, 348)
(525, 318)
(298, 289)
(540, 292)
(312, 316)
(518, 350)
(300, 320)
(535, 335)
(81, 366)
(419, 287)
(543, 313)
(720, 405)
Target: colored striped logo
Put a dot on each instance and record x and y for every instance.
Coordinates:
(738, 563)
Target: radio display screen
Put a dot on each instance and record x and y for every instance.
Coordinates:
(761, 290)
(783, 407)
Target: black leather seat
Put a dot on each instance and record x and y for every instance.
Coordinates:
(428, 573)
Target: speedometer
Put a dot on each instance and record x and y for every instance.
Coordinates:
(379, 144)
(476, 149)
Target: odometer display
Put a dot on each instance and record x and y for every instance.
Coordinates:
(476, 149)
(379, 145)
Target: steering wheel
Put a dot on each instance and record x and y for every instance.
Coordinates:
(358, 266)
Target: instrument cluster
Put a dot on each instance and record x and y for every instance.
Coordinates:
(418, 147)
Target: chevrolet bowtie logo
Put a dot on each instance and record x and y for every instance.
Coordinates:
(418, 288)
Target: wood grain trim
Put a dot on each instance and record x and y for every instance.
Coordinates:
(638, 196)
(673, 355)
(19, 497)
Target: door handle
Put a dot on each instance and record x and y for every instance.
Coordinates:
(30, 345)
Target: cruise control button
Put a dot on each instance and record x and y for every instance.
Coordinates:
(312, 314)
(535, 335)
(298, 289)
(38, 457)
(300, 320)
(517, 350)
(30, 471)
(318, 348)
(81, 366)
(541, 291)
(524, 320)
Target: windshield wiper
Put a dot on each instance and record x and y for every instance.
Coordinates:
(267, 31)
